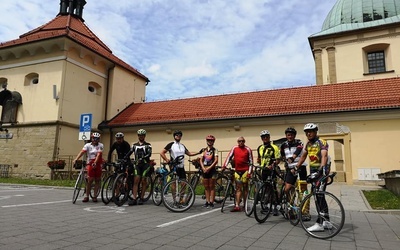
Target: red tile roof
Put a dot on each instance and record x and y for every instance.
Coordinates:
(73, 28)
(351, 96)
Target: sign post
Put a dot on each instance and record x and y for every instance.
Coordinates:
(85, 127)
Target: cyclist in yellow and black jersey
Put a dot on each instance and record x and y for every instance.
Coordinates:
(268, 156)
(317, 151)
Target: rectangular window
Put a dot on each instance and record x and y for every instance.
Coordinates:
(376, 62)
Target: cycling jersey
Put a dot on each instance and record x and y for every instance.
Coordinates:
(314, 148)
(176, 149)
(268, 153)
(92, 150)
(288, 149)
(142, 152)
(122, 149)
(208, 155)
(242, 158)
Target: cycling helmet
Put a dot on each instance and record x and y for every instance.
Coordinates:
(210, 138)
(311, 126)
(141, 132)
(178, 132)
(290, 130)
(119, 135)
(264, 133)
(95, 135)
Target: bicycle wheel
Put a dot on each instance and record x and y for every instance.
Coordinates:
(78, 187)
(147, 189)
(220, 188)
(326, 218)
(157, 190)
(249, 202)
(106, 189)
(227, 201)
(292, 208)
(120, 190)
(92, 193)
(263, 203)
(178, 195)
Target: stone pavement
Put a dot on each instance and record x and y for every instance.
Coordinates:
(45, 218)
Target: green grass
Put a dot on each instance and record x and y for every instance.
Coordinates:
(59, 183)
(382, 199)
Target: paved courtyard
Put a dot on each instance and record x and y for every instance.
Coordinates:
(45, 218)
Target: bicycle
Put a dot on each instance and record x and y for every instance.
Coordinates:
(177, 195)
(123, 185)
(291, 202)
(266, 196)
(159, 182)
(230, 190)
(323, 206)
(107, 187)
(252, 190)
(221, 183)
(82, 176)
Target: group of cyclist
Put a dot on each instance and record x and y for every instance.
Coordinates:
(293, 152)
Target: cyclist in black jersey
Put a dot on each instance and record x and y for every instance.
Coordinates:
(120, 145)
(142, 152)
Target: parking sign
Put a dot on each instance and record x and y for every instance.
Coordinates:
(85, 126)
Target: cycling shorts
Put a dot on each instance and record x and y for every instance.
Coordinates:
(210, 174)
(242, 176)
(181, 173)
(143, 170)
(93, 172)
(291, 179)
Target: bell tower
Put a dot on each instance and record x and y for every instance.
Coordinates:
(72, 7)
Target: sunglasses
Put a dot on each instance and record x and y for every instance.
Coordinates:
(240, 140)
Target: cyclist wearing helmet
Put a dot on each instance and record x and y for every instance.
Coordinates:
(242, 157)
(317, 151)
(208, 162)
(120, 145)
(142, 152)
(175, 149)
(291, 151)
(93, 151)
(268, 156)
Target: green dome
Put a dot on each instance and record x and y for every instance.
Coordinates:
(360, 11)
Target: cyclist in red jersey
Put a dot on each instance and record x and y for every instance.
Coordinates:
(241, 157)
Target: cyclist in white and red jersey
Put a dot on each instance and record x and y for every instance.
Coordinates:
(93, 151)
(242, 158)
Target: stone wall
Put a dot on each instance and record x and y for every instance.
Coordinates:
(29, 151)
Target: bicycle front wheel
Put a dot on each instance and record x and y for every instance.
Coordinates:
(120, 190)
(178, 195)
(220, 188)
(157, 190)
(78, 187)
(291, 207)
(263, 203)
(322, 215)
(106, 189)
(249, 202)
(146, 186)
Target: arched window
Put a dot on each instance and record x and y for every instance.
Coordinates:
(94, 88)
(376, 59)
(31, 79)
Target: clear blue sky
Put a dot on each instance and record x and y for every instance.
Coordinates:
(193, 48)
